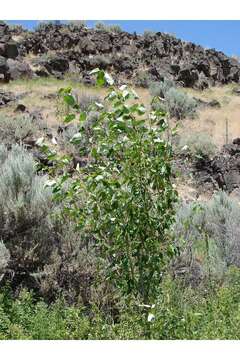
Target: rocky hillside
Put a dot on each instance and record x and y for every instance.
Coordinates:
(60, 49)
(12, 64)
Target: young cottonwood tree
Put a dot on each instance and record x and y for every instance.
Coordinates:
(124, 197)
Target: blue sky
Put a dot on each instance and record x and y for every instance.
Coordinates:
(223, 35)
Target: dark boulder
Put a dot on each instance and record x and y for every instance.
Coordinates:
(42, 72)
(87, 79)
(223, 171)
(20, 108)
(29, 141)
(3, 29)
(236, 141)
(57, 64)
(2, 49)
(18, 69)
(188, 76)
(11, 50)
(3, 65)
(203, 66)
(175, 68)
(79, 161)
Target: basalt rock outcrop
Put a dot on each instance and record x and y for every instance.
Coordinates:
(223, 171)
(12, 65)
(57, 49)
(154, 56)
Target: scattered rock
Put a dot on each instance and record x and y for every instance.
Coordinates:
(79, 161)
(20, 108)
(36, 115)
(29, 142)
(42, 159)
(212, 103)
(18, 69)
(50, 96)
(6, 97)
(61, 129)
(236, 91)
(53, 65)
(42, 71)
(236, 141)
(223, 171)
(4, 68)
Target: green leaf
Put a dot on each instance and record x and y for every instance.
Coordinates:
(100, 78)
(126, 94)
(112, 95)
(62, 91)
(83, 116)
(94, 152)
(76, 139)
(141, 110)
(69, 99)
(69, 118)
(99, 178)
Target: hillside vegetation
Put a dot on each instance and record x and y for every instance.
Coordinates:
(119, 204)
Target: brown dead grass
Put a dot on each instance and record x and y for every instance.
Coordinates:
(35, 92)
(214, 121)
(209, 120)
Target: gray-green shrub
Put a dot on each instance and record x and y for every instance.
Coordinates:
(85, 100)
(46, 253)
(16, 128)
(43, 24)
(3, 153)
(100, 26)
(224, 217)
(176, 102)
(179, 104)
(210, 231)
(4, 259)
(142, 79)
(25, 205)
(149, 33)
(77, 24)
(197, 145)
(160, 88)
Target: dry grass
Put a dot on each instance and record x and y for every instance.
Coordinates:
(36, 92)
(209, 120)
(213, 121)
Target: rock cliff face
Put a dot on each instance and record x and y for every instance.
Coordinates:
(223, 171)
(12, 65)
(58, 49)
